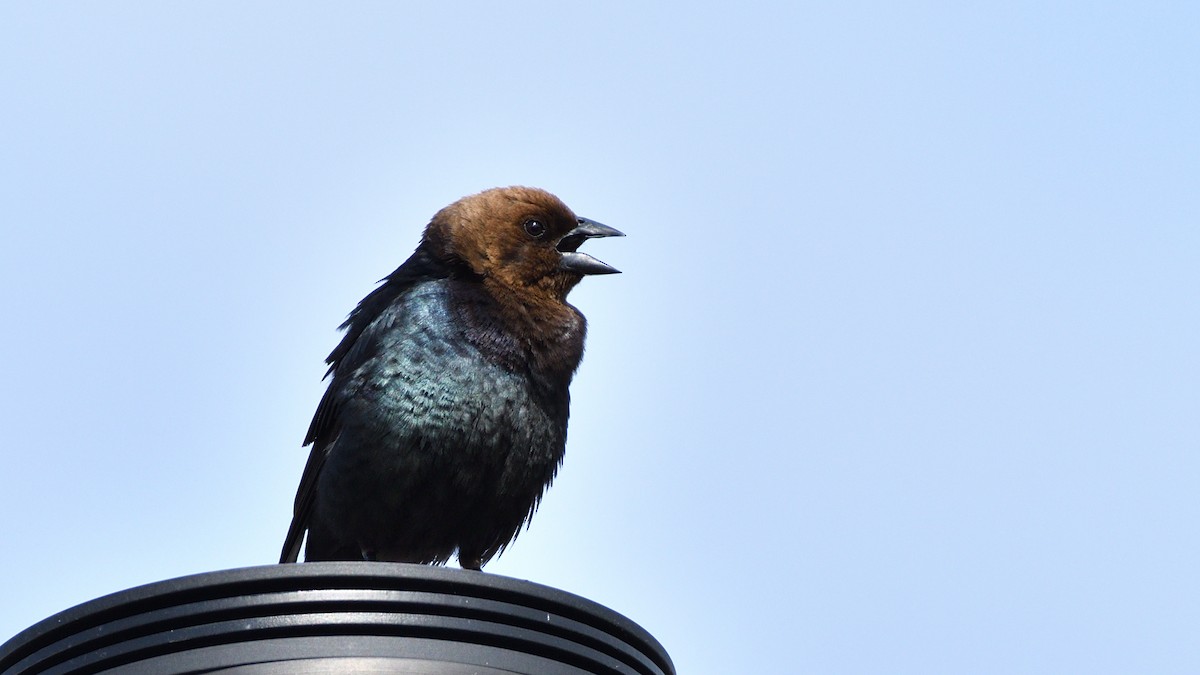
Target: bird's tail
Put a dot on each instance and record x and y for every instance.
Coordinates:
(293, 542)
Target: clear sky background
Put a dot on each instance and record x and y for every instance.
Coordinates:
(901, 375)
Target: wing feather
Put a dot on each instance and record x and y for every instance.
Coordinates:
(348, 355)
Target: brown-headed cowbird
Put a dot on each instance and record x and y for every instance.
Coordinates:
(446, 415)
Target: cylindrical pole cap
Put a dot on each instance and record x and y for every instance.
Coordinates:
(341, 617)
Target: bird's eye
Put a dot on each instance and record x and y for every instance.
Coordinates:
(535, 228)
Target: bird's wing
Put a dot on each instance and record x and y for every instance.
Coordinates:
(350, 353)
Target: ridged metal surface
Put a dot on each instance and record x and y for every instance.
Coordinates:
(346, 617)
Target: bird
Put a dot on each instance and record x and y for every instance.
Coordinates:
(445, 417)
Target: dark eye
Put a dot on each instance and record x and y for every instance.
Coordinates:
(535, 228)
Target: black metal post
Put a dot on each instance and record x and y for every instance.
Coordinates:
(347, 617)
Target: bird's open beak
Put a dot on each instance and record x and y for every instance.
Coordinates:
(582, 263)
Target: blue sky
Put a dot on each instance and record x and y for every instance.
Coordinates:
(901, 375)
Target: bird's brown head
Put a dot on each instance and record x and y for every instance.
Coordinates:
(521, 238)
